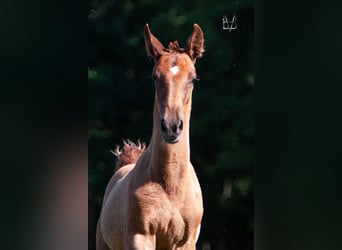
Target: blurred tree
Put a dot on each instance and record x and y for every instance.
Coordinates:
(121, 95)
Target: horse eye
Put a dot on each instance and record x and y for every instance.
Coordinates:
(154, 77)
(195, 80)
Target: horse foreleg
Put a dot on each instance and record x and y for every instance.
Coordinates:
(141, 242)
(189, 247)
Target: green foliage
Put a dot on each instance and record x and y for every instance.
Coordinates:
(121, 95)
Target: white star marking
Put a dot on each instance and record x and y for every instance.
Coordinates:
(174, 70)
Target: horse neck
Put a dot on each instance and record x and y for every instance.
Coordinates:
(169, 162)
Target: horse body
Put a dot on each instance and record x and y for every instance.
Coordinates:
(156, 203)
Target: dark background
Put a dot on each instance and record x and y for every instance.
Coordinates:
(121, 96)
(297, 103)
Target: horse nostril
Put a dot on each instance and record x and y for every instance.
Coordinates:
(173, 128)
(177, 127)
(163, 125)
(180, 125)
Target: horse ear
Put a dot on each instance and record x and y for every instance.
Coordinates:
(154, 48)
(195, 43)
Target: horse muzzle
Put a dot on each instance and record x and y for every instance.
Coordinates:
(171, 130)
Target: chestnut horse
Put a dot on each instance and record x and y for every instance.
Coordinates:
(154, 199)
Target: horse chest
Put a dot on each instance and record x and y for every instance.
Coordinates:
(169, 218)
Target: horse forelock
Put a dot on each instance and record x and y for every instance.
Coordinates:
(173, 47)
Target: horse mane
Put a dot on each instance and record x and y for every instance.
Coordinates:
(129, 153)
(174, 47)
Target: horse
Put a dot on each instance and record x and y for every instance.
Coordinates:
(154, 199)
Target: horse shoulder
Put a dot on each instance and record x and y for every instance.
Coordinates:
(118, 176)
(111, 218)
